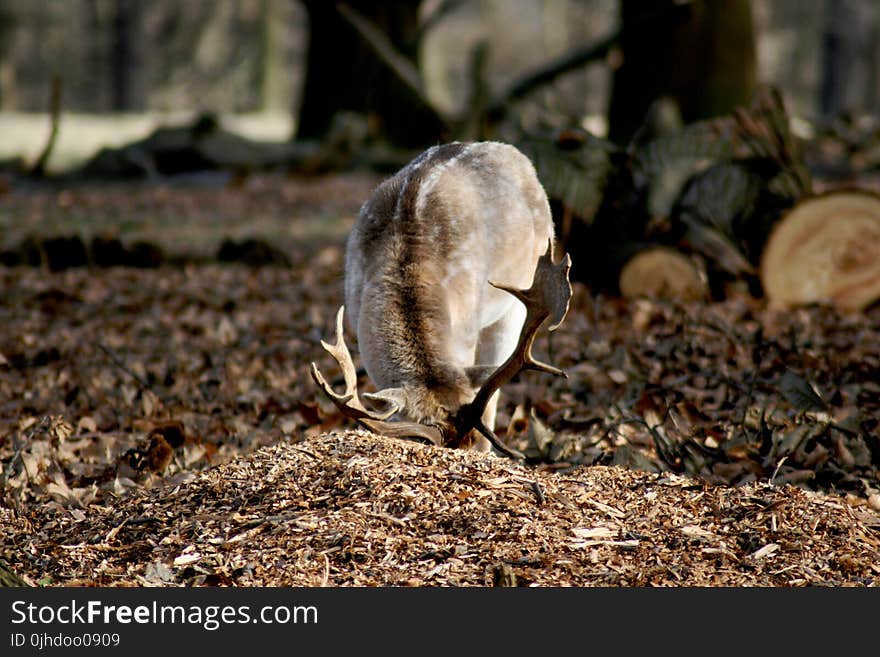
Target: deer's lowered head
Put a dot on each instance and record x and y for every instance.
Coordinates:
(449, 276)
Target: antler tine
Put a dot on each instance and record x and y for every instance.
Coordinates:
(548, 297)
(348, 402)
(480, 426)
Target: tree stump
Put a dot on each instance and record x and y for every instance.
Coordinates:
(826, 249)
(664, 273)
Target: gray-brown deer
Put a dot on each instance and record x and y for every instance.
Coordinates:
(448, 277)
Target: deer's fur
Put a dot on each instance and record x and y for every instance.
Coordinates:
(419, 259)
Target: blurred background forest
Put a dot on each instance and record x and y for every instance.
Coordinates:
(280, 68)
(693, 125)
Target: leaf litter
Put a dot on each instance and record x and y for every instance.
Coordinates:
(158, 427)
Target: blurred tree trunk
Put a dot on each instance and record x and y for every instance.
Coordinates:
(849, 57)
(127, 75)
(702, 54)
(273, 68)
(7, 66)
(344, 74)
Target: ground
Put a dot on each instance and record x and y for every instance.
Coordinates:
(159, 426)
(349, 508)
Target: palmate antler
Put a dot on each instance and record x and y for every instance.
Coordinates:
(548, 297)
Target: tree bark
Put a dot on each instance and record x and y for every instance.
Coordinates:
(702, 54)
(7, 66)
(127, 58)
(273, 66)
(344, 74)
(849, 58)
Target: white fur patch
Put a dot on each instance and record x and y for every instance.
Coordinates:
(430, 181)
(399, 202)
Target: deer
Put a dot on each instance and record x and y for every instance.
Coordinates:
(449, 275)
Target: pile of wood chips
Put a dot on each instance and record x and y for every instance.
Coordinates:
(355, 509)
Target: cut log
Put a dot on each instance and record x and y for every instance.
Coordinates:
(663, 273)
(826, 249)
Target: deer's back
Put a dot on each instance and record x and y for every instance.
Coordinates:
(423, 249)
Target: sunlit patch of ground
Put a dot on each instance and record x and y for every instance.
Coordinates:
(80, 136)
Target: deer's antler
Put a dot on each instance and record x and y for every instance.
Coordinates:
(548, 297)
(349, 402)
